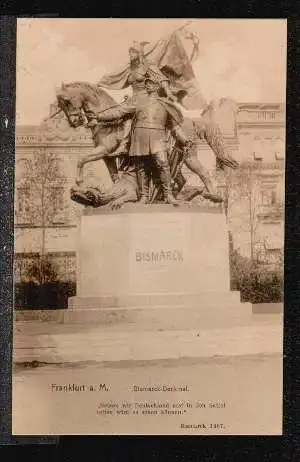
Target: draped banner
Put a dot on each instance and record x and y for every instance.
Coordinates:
(170, 56)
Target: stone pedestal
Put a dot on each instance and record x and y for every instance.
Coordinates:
(152, 250)
(149, 264)
(153, 284)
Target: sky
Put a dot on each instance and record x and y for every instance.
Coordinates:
(243, 59)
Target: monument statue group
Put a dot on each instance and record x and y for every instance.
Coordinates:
(141, 140)
(145, 141)
(154, 303)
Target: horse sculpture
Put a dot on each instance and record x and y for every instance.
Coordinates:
(82, 101)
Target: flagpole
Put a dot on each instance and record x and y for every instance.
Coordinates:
(184, 26)
(179, 29)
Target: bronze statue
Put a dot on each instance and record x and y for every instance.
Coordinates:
(169, 86)
(153, 116)
(81, 102)
(167, 67)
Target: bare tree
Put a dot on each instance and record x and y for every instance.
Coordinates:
(44, 184)
(242, 202)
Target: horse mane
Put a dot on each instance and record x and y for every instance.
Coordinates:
(96, 92)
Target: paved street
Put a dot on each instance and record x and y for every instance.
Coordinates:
(236, 366)
(67, 343)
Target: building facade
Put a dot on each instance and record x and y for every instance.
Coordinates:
(256, 215)
(255, 134)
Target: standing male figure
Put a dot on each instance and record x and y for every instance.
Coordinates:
(153, 117)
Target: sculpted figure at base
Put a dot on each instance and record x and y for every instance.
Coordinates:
(126, 189)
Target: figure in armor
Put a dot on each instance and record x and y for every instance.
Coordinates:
(154, 117)
(135, 76)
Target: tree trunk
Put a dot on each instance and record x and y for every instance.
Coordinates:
(42, 257)
(251, 226)
(43, 224)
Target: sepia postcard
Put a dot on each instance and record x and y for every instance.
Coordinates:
(149, 227)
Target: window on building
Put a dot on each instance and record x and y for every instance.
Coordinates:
(23, 169)
(261, 257)
(257, 156)
(279, 155)
(23, 206)
(59, 208)
(268, 197)
(273, 197)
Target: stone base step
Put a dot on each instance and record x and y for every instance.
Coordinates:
(43, 323)
(149, 300)
(160, 317)
(55, 318)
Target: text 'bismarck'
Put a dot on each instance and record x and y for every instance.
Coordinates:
(159, 256)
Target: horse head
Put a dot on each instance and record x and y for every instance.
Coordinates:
(80, 101)
(70, 101)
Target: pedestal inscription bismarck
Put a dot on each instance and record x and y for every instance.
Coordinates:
(152, 250)
(144, 257)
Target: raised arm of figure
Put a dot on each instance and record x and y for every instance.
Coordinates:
(116, 113)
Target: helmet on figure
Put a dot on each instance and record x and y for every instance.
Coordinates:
(135, 46)
(136, 50)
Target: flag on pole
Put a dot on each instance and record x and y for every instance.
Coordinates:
(171, 58)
